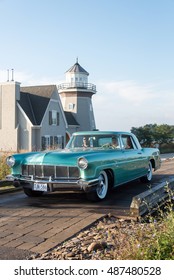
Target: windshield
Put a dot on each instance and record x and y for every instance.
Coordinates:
(93, 141)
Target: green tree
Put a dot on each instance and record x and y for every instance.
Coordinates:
(151, 134)
(145, 134)
(164, 134)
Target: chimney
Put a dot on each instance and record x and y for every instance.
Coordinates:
(7, 75)
(12, 75)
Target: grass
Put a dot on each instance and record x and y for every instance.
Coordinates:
(154, 239)
(158, 243)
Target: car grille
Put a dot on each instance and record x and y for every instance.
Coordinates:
(46, 171)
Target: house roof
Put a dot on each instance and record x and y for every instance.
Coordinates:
(34, 101)
(70, 119)
(77, 68)
(44, 91)
(34, 106)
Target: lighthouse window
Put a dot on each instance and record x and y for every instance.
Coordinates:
(71, 106)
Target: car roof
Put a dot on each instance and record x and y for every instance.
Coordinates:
(100, 132)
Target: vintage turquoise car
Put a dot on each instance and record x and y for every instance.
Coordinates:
(93, 162)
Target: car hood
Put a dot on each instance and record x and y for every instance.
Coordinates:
(64, 157)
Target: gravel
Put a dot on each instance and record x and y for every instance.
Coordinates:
(107, 239)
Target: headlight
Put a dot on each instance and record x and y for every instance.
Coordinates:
(82, 163)
(10, 161)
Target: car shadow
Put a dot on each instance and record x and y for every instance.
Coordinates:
(120, 197)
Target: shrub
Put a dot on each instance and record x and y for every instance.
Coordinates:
(4, 169)
(166, 148)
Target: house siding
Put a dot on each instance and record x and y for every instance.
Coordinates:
(53, 130)
(36, 138)
(24, 142)
(9, 93)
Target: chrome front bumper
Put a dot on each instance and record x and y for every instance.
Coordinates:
(55, 185)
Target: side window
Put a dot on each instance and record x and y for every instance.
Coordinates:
(128, 142)
(45, 142)
(53, 117)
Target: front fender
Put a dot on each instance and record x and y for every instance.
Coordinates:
(93, 171)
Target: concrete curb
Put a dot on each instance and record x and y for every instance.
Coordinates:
(150, 200)
(6, 183)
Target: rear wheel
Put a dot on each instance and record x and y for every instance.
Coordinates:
(148, 177)
(32, 193)
(102, 189)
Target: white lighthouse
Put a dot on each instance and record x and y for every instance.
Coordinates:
(76, 95)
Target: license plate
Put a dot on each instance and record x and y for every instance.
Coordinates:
(40, 187)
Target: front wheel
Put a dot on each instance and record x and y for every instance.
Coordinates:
(148, 177)
(102, 189)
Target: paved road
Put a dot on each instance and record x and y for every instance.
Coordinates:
(35, 225)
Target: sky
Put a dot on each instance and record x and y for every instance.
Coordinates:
(127, 46)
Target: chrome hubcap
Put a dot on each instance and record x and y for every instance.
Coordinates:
(102, 186)
(149, 172)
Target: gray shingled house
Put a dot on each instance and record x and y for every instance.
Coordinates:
(42, 117)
